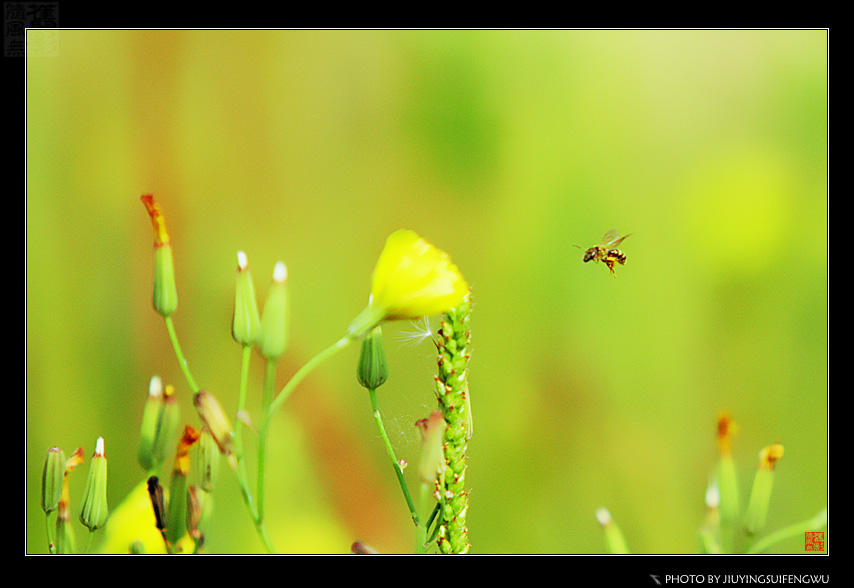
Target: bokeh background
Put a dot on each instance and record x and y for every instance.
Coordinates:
(505, 148)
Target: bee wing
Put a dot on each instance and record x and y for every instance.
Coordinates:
(608, 238)
(611, 240)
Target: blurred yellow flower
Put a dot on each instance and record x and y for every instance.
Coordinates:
(412, 279)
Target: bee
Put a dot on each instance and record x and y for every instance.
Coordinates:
(606, 251)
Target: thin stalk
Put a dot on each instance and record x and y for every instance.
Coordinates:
(266, 399)
(303, 372)
(241, 474)
(51, 544)
(397, 470)
(242, 477)
(182, 362)
(797, 529)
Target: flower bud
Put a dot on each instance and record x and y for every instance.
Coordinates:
(64, 536)
(245, 324)
(614, 538)
(218, 423)
(94, 511)
(373, 367)
(160, 421)
(760, 494)
(176, 512)
(274, 321)
(165, 297)
(52, 478)
(730, 502)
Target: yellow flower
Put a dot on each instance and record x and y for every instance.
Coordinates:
(412, 279)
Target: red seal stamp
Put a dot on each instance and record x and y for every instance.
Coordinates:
(814, 541)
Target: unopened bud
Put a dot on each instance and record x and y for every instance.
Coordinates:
(760, 494)
(614, 539)
(245, 324)
(176, 513)
(373, 367)
(52, 478)
(160, 421)
(274, 321)
(214, 416)
(64, 535)
(165, 297)
(730, 501)
(94, 511)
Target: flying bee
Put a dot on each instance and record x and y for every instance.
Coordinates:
(606, 251)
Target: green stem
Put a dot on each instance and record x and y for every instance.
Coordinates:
(267, 398)
(241, 474)
(817, 522)
(180, 355)
(302, 373)
(51, 544)
(397, 470)
(242, 477)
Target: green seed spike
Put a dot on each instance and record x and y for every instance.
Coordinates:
(452, 342)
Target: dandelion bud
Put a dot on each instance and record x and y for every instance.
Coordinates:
(218, 423)
(176, 513)
(64, 536)
(52, 478)
(760, 494)
(160, 421)
(727, 474)
(614, 538)
(373, 367)
(94, 511)
(246, 324)
(165, 298)
(274, 321)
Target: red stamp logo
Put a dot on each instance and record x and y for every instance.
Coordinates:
(814, 541)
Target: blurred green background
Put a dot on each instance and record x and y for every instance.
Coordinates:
(505, 148)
